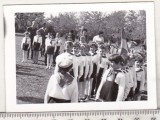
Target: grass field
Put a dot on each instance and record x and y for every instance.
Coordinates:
(32, 79)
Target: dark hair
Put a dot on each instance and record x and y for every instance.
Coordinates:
(69, 42)
(100, 32)
(71, 31)
(44, 24)
(116, 58)
(76, 44)
(64, 70)
(94, 44)
(139, 58)
(102, 47)
(84, 30)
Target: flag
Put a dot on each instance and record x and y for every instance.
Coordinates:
(123, 47)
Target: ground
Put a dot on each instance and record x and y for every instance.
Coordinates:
(32, 79)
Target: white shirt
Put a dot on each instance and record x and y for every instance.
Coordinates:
(104, 63)
(68, 92)
(26, 40)
(49, 42)
(96, 60)
(76, 65)
(37, 39)
(98, 39)
(59, 41)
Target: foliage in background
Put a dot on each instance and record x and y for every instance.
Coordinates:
(111, 24)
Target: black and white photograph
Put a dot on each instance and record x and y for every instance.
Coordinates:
(81, 54)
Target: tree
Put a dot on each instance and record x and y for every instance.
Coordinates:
(24, 20)
(64, 22)
(136, 25)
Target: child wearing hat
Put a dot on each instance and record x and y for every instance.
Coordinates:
(37, 43)
(50, 47)
(25, 45)
(113, 81)
(62, 88)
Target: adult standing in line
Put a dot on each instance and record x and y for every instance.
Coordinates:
(43, 31)
(32, 31)
(99, 38)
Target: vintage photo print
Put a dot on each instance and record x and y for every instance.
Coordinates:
(74, 57)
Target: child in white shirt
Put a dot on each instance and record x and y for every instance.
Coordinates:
(37, 43)
(50, 49)
(25, 46)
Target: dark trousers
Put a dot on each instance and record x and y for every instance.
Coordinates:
(130, 95)
(138, 87)
(45, 58)
(93, 91)
(99, 77)
(30, 50)
(56, 54)
(57, 100)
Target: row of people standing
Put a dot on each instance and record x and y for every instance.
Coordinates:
(41, 34)
(94, 75)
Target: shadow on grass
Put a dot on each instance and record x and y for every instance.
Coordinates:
(31, 99)
(28, 74)
(25, 70)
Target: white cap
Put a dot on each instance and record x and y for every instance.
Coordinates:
(65, 62)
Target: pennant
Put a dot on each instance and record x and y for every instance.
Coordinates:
(123, 47)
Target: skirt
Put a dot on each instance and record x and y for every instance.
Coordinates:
(114, 92)
(36, 46)
(57, 50)
(50, 50)
(57, 100)
(109, 91)
(25, 46)
(82, 77)
(94, 70)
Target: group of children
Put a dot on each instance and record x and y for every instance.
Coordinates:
(89, 71)
(53, 47)
(96, 74)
